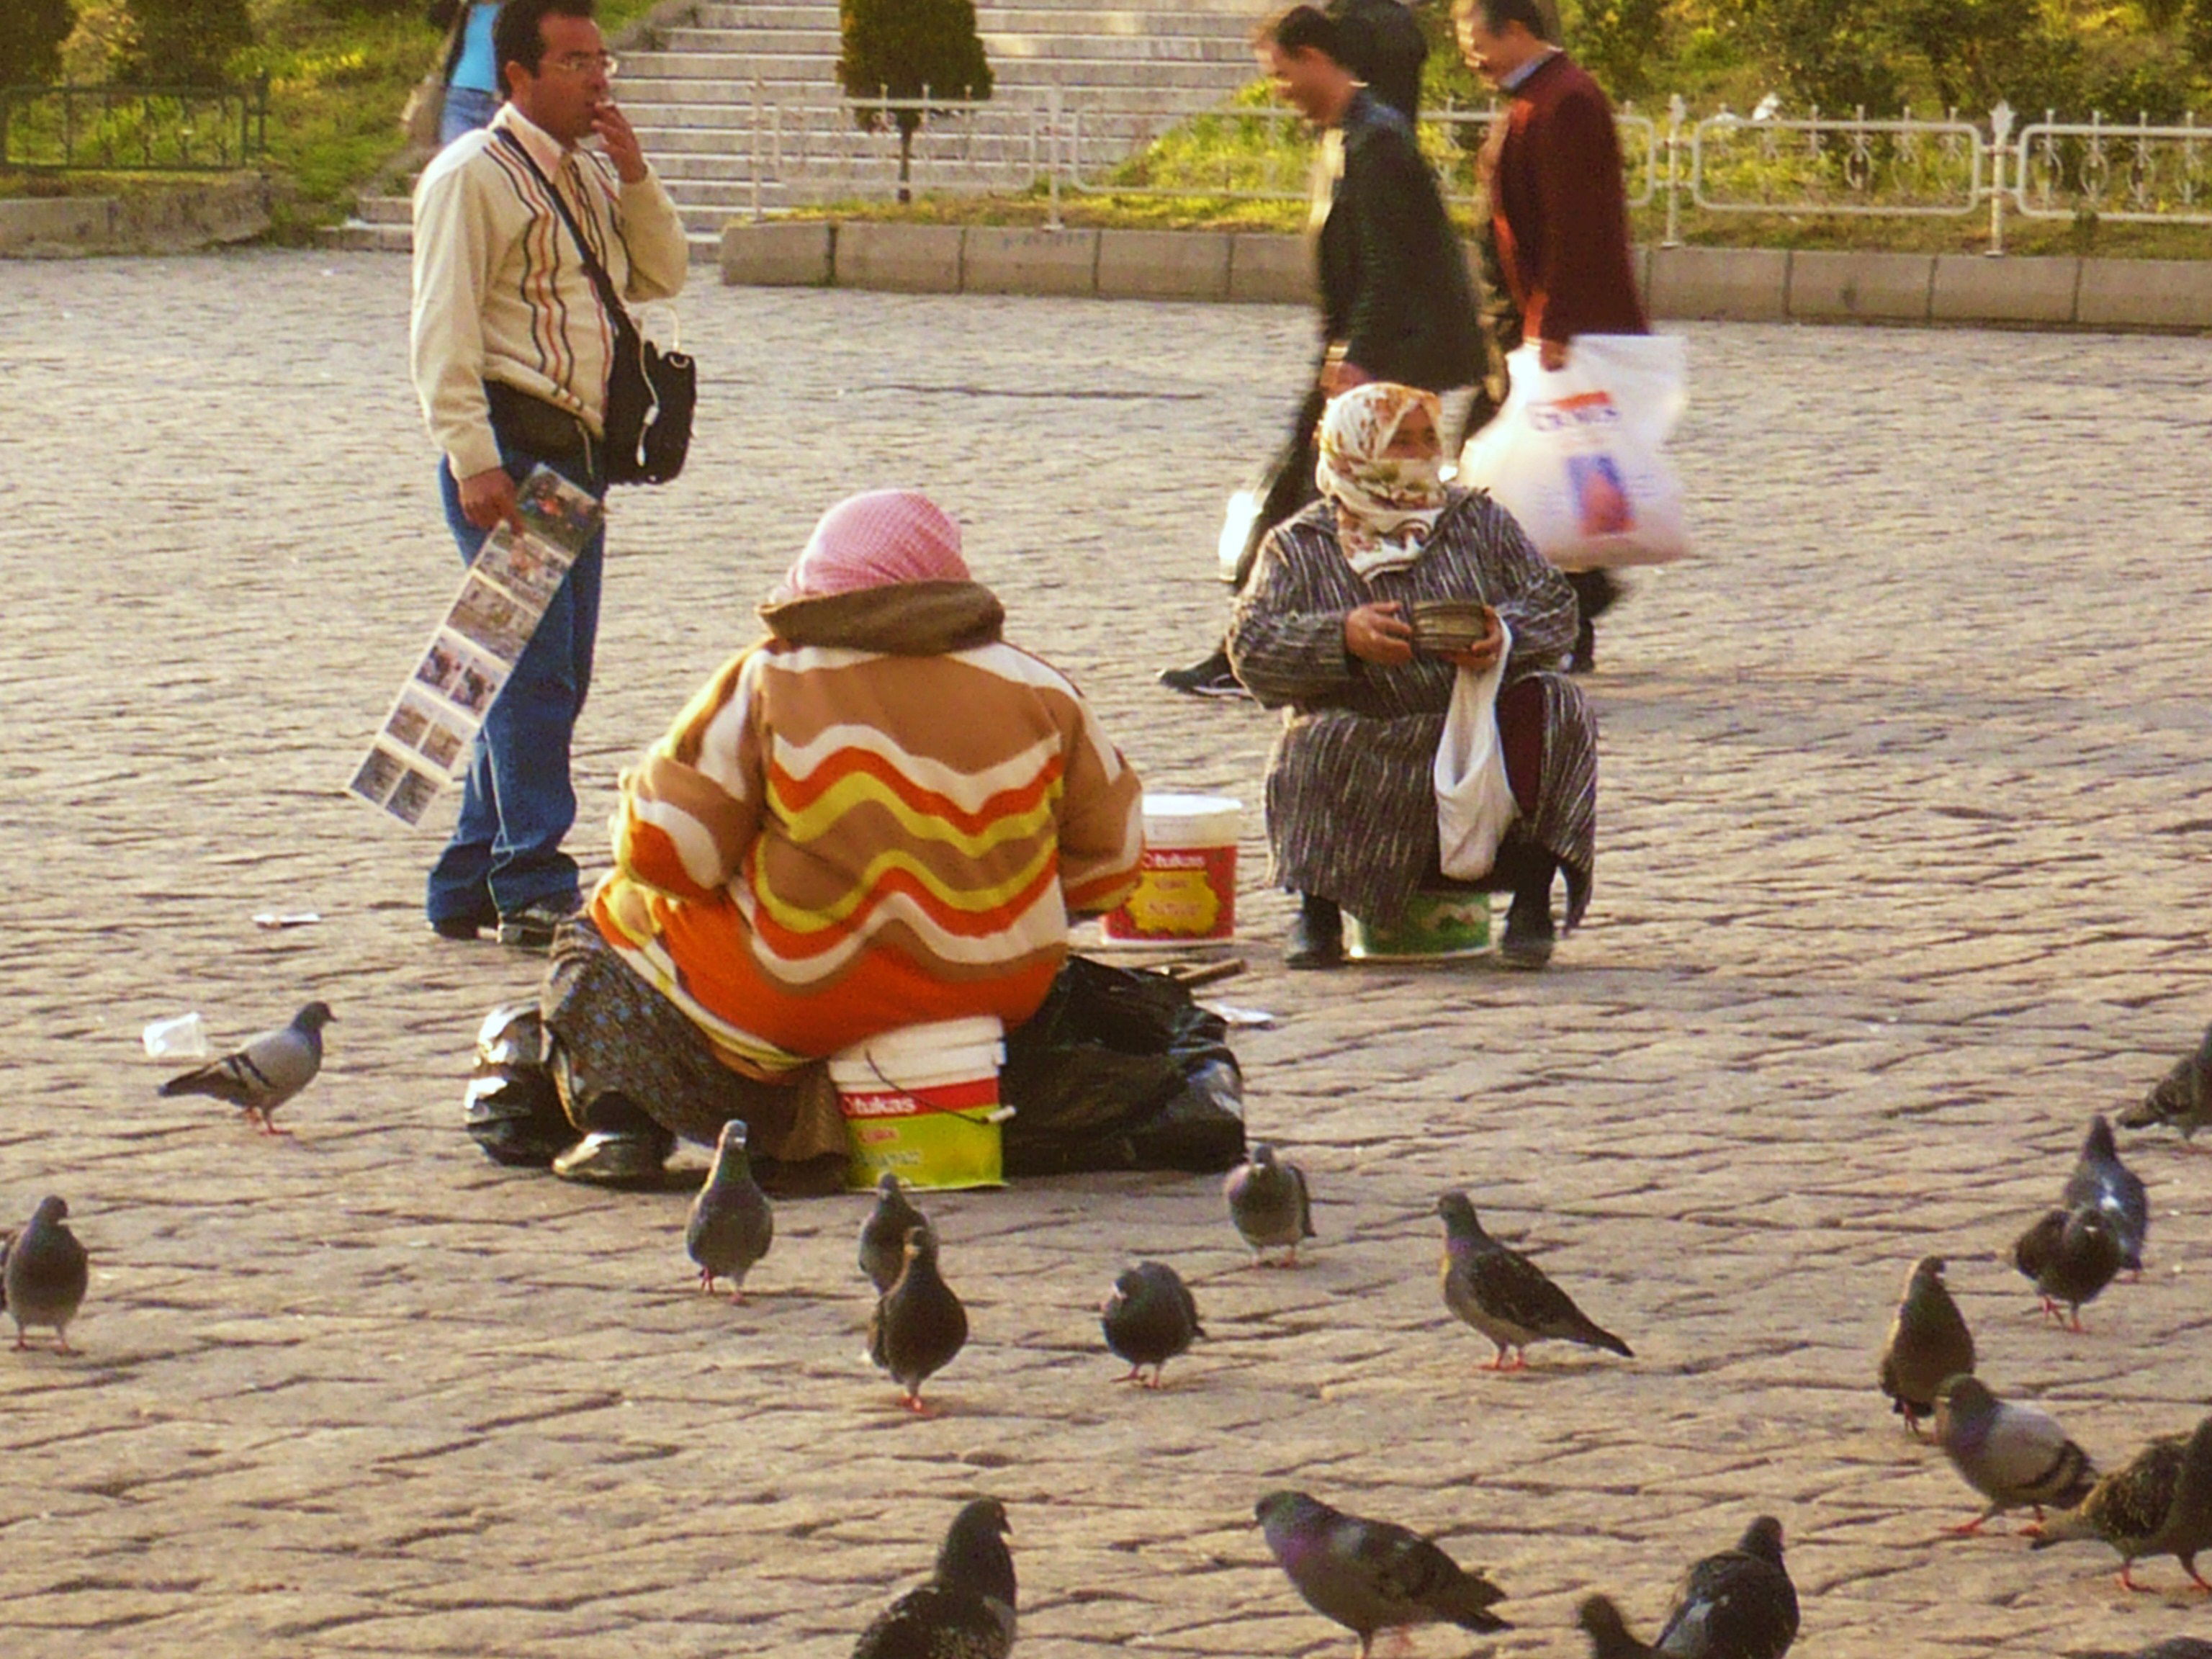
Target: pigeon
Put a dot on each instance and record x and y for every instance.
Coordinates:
(1372, 1575)
(2011, 1454)
(918, 1324)
(2182, 1097)
(1608, 1631)
(966, 1611)
(731, 1225)
(46, 1275)
(883, 1234)
(2158, 1503)
(1149, 1319)
(1268, 1202)
(1739, 1604)
(1927, 1341)
(2071, 1255)
(2099, 1178)
(2175, 1647)
(266, 1073)
(1505, 1296)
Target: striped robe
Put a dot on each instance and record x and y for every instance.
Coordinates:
(880, 816)
(1351, 809)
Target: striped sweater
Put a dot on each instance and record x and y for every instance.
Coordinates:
(501, 291)
(879, 816)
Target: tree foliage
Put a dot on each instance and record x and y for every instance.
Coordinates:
(31, 36)
(185, 42)
(1619, 41)
(909, 49)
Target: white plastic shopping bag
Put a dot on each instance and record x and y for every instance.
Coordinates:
(1474, 801)
(1235, 530)
(1576, 454)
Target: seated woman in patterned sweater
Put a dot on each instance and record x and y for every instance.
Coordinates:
(880, 815)
(1322, 629)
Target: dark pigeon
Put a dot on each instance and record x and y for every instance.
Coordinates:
(2175, 1647)
(1608, 1631)
(883, 1234)
(967, 1609)
(1149, 1319)
(1268, 1202)
(918, 1323)
(1506, 1296)
(46, 1275)
(1739, 1604)
(732, 1224)
(2014, 1456)
(2071, 1255)
(2127, 1508)
(2099, 1178)
(1370, 1576)
(2182, 1097)
(1927, 1341)
(266, 1073)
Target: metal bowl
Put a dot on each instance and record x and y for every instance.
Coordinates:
(1447, 625)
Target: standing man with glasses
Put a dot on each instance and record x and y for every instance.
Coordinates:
(510, 353)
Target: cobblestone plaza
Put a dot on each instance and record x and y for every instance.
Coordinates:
(1901, 876)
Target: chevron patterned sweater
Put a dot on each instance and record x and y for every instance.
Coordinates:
(881, 815)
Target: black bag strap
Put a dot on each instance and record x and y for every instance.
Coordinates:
(617, 315)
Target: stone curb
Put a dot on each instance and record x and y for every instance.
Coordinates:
(1714, 284)
(161, 222)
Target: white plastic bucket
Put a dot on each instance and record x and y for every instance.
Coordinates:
(923, 1103)
(1186, 889)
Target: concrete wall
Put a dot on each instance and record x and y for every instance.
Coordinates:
(1734, 285)
(161, 221)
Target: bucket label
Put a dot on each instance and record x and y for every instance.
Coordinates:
(1182, 893)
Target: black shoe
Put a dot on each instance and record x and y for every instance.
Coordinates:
(466, 924)
(1210, 678)
(1529, 936)
(615, 1158)
(533, 927)
(1317, 935)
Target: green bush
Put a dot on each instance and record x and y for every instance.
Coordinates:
(31, 36)
(909, 49)
(185, 42)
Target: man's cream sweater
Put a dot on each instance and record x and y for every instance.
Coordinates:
(500, 292)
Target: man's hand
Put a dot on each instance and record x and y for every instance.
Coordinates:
(621, 139)
(1339, 377)
(1379, 633)
(1553, 353)
(1483, 653)
(487, 500)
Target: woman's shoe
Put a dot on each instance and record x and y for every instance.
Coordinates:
(1317, 935)
(1529, 936)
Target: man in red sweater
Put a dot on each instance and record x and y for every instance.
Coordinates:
(1558, 207)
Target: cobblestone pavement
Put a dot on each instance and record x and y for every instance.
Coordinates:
(1901, 877)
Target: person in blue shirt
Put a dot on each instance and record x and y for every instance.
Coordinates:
(472, 67)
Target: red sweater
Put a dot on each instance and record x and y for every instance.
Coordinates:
(1561, 211)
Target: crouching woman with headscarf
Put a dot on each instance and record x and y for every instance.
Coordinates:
(880, 815)
(1323, 631)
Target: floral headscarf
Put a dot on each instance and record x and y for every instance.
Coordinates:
(874, 539)
(1385, 508)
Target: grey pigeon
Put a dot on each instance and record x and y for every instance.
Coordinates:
(1927, 1341)
(1372, 1575)
(883, 1234)
(918, 1324)
(2012, 1455)
(1506, 1296)
(2158, 1503)
(1269, 1203)
(2182, 1097)
(967, 1609)
(1149, 1319)
(2100, 1179)
(1739, 1604)
(2071, 1255)
(45, 1275)
(266, 1073)
(731, 1225)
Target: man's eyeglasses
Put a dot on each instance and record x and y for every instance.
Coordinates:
(583, 62)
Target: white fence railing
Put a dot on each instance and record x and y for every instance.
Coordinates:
(1766, 162)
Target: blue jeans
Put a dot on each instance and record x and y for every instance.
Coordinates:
(467, 109)
(517, 802)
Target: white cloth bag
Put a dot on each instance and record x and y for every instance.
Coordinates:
(1576, 454)
(1474, 801)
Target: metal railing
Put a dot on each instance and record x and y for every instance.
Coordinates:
(127, 129)
(1769, 162)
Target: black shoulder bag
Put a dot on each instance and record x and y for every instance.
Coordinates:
(650, 393)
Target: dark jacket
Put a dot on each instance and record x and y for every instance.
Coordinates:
(1394, 283)
(1383, 45)
(1561, 210)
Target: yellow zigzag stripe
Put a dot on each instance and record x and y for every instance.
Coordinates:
(970, 901)
(860, 788)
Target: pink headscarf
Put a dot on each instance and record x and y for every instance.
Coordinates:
(874, 540)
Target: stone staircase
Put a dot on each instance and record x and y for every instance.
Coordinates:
(738, 105)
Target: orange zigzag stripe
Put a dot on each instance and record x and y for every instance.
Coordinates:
(790, 942)
(795, 794)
